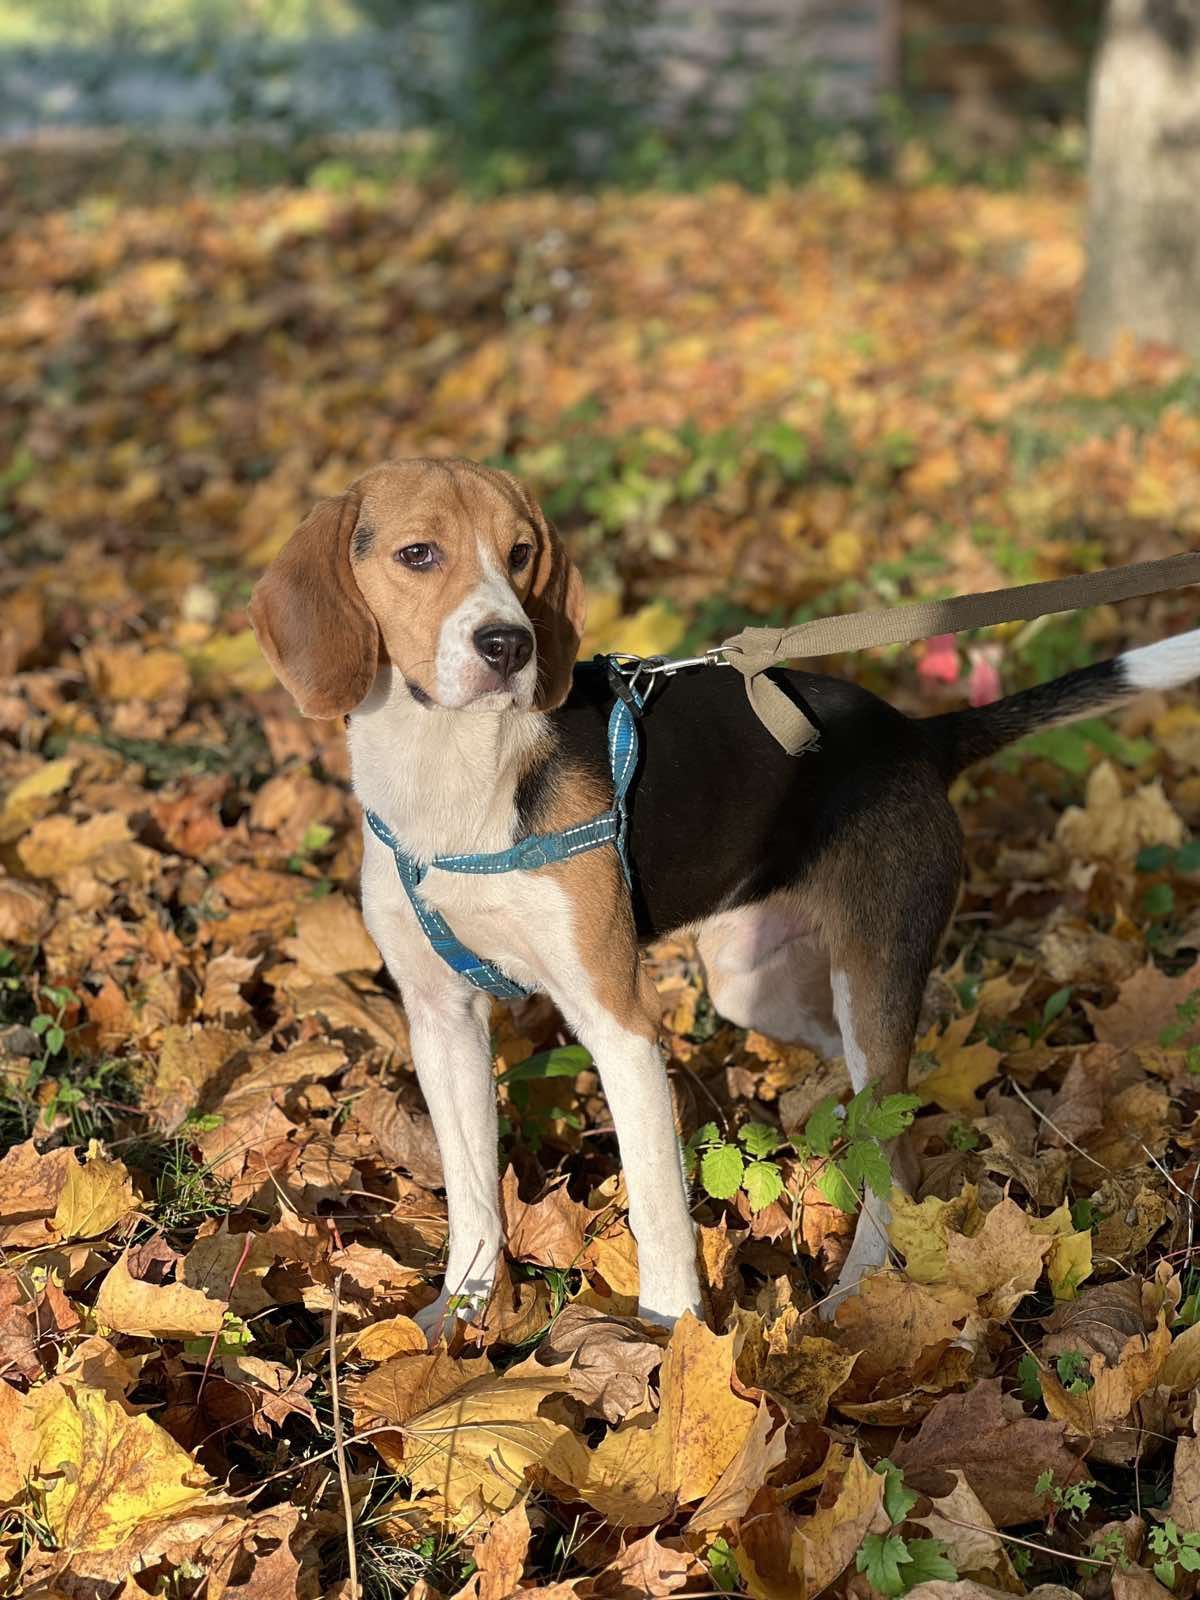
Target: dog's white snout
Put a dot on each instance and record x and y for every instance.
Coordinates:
(486, 645)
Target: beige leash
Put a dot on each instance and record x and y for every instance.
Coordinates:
(754, 650)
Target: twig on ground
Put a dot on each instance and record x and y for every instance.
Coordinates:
(339, 1447)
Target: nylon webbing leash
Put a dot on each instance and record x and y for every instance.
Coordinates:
(754, 650)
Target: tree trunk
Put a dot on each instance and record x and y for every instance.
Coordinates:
(1143, 268)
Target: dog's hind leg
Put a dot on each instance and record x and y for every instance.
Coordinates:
(886, 911)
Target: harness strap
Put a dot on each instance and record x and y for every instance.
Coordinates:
(535, 850)
(755, 650)
(482, 974)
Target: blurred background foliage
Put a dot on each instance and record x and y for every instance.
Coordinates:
(508, 93)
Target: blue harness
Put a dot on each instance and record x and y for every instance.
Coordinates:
(535, 850)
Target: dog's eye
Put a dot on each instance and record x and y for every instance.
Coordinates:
(518, 556)
(416, 555)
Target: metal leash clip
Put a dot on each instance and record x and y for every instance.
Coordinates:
(626, 671)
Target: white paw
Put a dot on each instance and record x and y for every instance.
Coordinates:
(466, 1305)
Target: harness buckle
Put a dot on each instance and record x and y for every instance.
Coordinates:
(623, 673)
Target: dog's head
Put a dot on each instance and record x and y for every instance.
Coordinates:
(446, 569)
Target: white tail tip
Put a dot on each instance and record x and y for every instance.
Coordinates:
(1165, 665)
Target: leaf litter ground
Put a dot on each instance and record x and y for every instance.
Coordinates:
(737, 407)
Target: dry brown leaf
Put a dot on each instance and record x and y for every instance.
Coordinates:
(551, 1231)
(1145, 1005)
(223, 979)
(410, 1383)
(1114, 1389)
(647, 1569)
(968, 1589)
(331, 938)
(611, 1359)
(799, 1369)
(1181, 1368)
(191, 1063)
(1135, 1583)
(479, 1444)
(30, 1186)
(727, 1502)
(24, 912)
(781, 1557)
(1000, 1263)
(379, 1341)
(998, 1449)
(960, 1520)
(499, 1557)
(898, 1329)
(921, 1230)
(155, 1310)
(405, 1136)
(129, 672)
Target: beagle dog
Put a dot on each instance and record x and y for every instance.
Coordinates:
(433, 604)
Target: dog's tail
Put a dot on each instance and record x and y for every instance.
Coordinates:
(961, 737)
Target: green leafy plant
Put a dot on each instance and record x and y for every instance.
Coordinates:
(1071, 1367)
(1054, 1007)
(1068, 1499)
(962, 1136)
(316, 836)
(723, 1566)
(893, 1563)
(846, 1143)
(1110, 1546)
(1176, 1551)
(727, 1165)
(50, 1027)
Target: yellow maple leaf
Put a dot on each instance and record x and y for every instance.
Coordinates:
(946, 1070)
(95, 1197)
(640, 1471)
(103, 1473)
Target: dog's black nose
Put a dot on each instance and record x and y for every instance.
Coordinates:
(505, 648)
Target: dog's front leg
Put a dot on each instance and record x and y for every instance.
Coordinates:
(625, 1050)
(448, 1027)
(448, 1023)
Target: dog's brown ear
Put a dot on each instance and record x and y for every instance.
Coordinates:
(557, 606)
(314, 626)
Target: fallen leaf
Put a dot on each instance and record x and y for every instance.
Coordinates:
(611, 1359)
(1113, 826)
(1114, 1389)
(946, 1070)
(644, 1468)
(1000, 1451)
(784, 1557)
(550, 1232)
(1000, 1264)
(331, 938)
(499, 1557)
(477, 1444)
(94, 1198)
(795, 1367)
(155, 1310)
